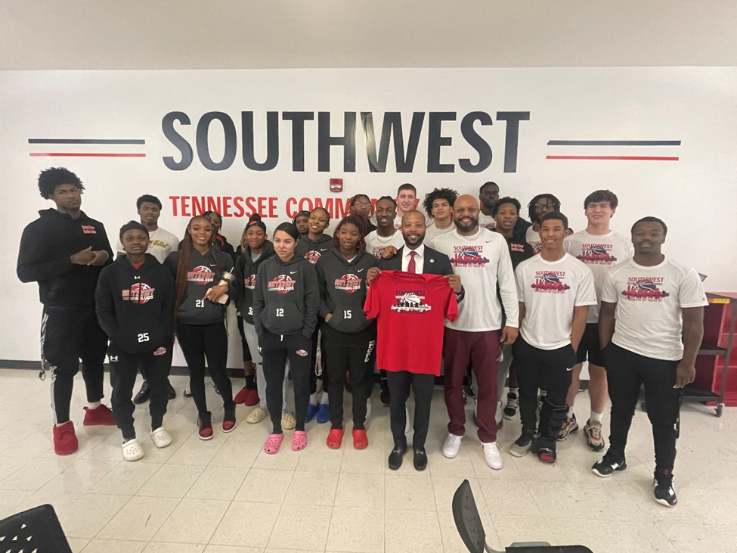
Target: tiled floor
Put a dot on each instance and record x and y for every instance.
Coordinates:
(227, 496)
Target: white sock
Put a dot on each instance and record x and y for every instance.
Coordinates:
(514, 391)
(596, 416)
(62, 424)
(324, 399)
(94, 405)
(570, 413)
(313, 399)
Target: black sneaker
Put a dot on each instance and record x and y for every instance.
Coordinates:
(609, 463)
(171, 393)
(510, 410)
(204, 426)
(664, 492)
(143, 394)
(420, 460)
(547, 455)
(522, 446)
(396, 457)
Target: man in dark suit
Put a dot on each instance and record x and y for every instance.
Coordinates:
(413, 257)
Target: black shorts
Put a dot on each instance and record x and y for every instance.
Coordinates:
(589, 346)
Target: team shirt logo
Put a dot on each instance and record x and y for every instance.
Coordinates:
(376, 251)
(139, 293)
(537, 247)
(411, 301)
(201, 275)
(645, 289)
(516, 247)
(250, 282)
(550, 282)
(282, 284)
(313, 255)
(597, 254)
(468, 256)
(348, 283)
(89, 229)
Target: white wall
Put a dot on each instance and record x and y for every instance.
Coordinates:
(695, 195)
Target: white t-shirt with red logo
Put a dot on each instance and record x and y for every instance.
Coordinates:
(532, 237)
(550, 290)
(482, 261)
(375, 244)
(486, 221)
(649, 302)
(598, 252)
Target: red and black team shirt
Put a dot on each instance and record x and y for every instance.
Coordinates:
(411, 310)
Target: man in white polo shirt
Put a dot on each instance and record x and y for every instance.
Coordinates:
(160, 244)
(658, 305)
(555, 291)
(599, 247)
(481, 258)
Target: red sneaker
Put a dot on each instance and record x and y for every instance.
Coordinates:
(102, 416)
(360, 439)
(335, 438)
(229, 419)
(65, 440)
(204, 426)
(252, 398)
(240, 397)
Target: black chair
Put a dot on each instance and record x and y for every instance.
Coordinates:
(37, 530)
(469, 526)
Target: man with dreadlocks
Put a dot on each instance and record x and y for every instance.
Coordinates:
(64, 251)
(348, 336)
(539, 206)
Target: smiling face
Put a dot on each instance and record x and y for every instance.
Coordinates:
(648, 238)
(406, 200)
(466, 211)
(135, 242)
(318, 222)
(552, 233)
(200, 229)
(385, 214)
(284, 245)
(413, 228)
(598, 213)
(348, 236)
(255, 237)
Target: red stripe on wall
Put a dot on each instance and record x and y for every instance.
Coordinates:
(617, 158)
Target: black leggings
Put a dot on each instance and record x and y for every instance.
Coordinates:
(123, 370)
(275, 350)
(626, 372)
(352, 353)
(200, 343)
(538, 368)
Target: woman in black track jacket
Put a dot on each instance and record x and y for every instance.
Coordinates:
(134, 302)
(285, 305)
(200, 318)
(348, 338)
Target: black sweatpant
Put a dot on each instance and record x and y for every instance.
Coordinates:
(68, 335)
(200, 343)
(399, 385)
(352, 353)
(549, 368)
(626, 371)
(275, 350)
(123, 370)
(168, 356)
(246, 350)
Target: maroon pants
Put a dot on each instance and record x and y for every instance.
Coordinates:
(481, 350)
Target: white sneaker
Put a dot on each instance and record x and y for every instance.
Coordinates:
(132, 450)
(492, 455)
(408, 424)
(452, 446)
(368, 411)
(160, 437)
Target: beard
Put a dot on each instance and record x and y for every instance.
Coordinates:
(468, 227)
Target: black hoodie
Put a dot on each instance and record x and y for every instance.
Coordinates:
(134, 306)
(312, 251)
(245, 280)
(204, 272)
(46, 248)
(343, 290)
(286, 298)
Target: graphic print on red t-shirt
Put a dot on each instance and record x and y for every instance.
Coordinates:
(411, 310)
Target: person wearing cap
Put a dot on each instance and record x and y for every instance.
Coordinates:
(301, 221)
(134, 302)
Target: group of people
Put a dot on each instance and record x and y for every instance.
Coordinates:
(469, 284)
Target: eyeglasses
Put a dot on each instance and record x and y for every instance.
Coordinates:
(551, 207)
(362, 204)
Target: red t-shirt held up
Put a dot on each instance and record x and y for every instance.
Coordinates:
(411, 310)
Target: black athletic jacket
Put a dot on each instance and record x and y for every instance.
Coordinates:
(286, 299)
(134, 306)
(204, 272)
(46, 248)
(312, 251)
(245, 280)
(343, 290)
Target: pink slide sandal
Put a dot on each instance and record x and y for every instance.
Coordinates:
(299, 440)
(273, 443)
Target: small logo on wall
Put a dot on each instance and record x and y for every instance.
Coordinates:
(336, 185)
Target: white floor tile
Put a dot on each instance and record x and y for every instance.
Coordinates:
(193, 521)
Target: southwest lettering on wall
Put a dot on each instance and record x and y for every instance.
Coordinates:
(438, 137)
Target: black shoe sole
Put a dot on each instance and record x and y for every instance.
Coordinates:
(395, 466)
(602, 475)
(231, 428)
